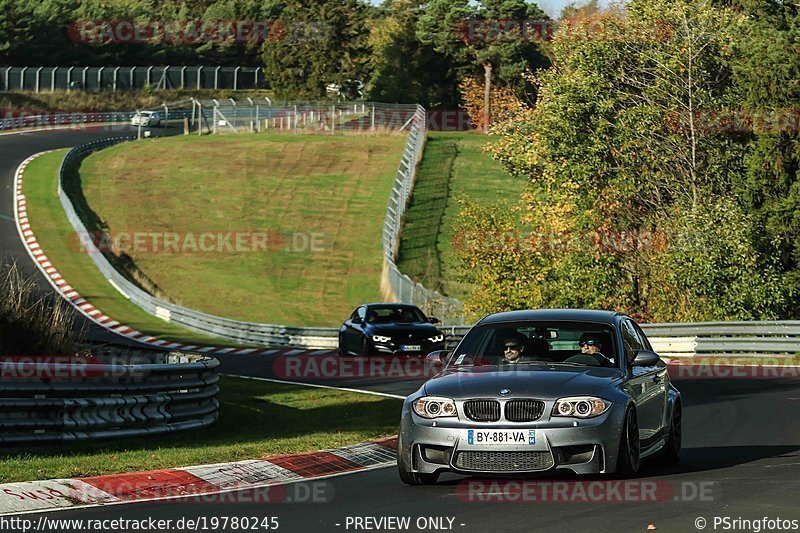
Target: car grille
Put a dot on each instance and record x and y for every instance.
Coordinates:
(524, 410)
(504, 461)
(482, 410)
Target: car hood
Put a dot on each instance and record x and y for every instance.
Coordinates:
(544, 382)
(417, 328)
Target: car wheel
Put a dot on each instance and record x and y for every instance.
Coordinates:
(409, 477)
(629, 445)
(672, 450)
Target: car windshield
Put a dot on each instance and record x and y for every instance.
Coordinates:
(537, 342)
(394, 315)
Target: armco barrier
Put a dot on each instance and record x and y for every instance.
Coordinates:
(249, 333)
(105, 395)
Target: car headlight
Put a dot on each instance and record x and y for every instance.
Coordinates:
(380, 338)
(580, 407)
(434, 407)
(437, 338)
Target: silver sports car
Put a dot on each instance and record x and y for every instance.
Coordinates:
(532, 391)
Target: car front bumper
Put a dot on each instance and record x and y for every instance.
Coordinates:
(582, 446)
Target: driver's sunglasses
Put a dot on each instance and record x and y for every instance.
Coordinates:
(514, 347)
(590, 342)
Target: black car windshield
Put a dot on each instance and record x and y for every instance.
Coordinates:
(537, 342)
(394, 314)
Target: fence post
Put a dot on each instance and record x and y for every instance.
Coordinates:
(236, 78)
(100, 78)
(199, 70)
(216, 78)
(114, 80)
(183, 77)
(38, 77)
(83, 78)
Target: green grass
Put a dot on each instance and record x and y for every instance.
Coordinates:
(332, 188)
(453, 166)
(60, 244)
(257, 419)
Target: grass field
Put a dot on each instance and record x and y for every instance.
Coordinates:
(453, 166)
(58, 240)
(320, 200)
(256, 419)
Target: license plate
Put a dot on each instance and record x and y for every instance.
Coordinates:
(411, 348)
(490, 437)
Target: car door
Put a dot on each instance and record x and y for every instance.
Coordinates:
(354, 330)
(644, 386)
(660, 380)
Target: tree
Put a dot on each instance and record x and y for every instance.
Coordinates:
(317, 43)
(488, 35)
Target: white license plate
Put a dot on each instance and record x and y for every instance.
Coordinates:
(501, 437)
(411, 348)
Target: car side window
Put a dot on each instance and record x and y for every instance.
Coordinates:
(630, 339)
(642, 336)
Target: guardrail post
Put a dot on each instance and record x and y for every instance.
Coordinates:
(38, 77)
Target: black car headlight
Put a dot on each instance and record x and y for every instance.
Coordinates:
(381, 338)
(434, 407)
(436, 338)
(580, 407)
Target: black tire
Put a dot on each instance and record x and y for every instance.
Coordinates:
(407, 476)
(671, 454)
(628, 457)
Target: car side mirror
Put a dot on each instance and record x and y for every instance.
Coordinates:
(433, 320)
(357, 320)
(645, 358)
(437, 359)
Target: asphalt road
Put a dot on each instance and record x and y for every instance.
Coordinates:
(741, 457)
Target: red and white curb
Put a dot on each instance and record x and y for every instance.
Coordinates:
(87, 309)
(194, 481)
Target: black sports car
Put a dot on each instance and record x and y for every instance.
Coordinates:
(389, 329)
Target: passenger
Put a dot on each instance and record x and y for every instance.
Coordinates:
(513, 348)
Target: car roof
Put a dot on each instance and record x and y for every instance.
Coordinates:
(577, 315)
(390, 304)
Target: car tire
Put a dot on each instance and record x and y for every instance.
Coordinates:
(409, 477)
(671, 454)
(628, 457)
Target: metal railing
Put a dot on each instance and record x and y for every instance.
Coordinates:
(62, 119)
(396, 285)
(39, 79)
(104, 395)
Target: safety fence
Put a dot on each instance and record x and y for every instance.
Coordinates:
(42, 79)
(105, 394)
(43, 120)
(395, 285)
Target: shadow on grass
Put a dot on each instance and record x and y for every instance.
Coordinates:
(253, 412)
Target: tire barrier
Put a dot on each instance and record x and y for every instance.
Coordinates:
(105, 394)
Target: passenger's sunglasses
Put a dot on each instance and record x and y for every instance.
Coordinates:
(590, 342)
(514, 347)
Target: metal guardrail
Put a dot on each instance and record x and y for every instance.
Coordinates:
(60, 119)
(396, 285)
(249, 333)
(102, 395)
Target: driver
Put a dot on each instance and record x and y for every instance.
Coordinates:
(513, 348)
(592, 345)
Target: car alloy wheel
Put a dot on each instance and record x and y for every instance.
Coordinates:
(672, 450)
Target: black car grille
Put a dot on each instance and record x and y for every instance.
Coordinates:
(504, 461)
(482, 410)
(524, 410)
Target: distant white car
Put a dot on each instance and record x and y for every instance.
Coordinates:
(146, 119)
